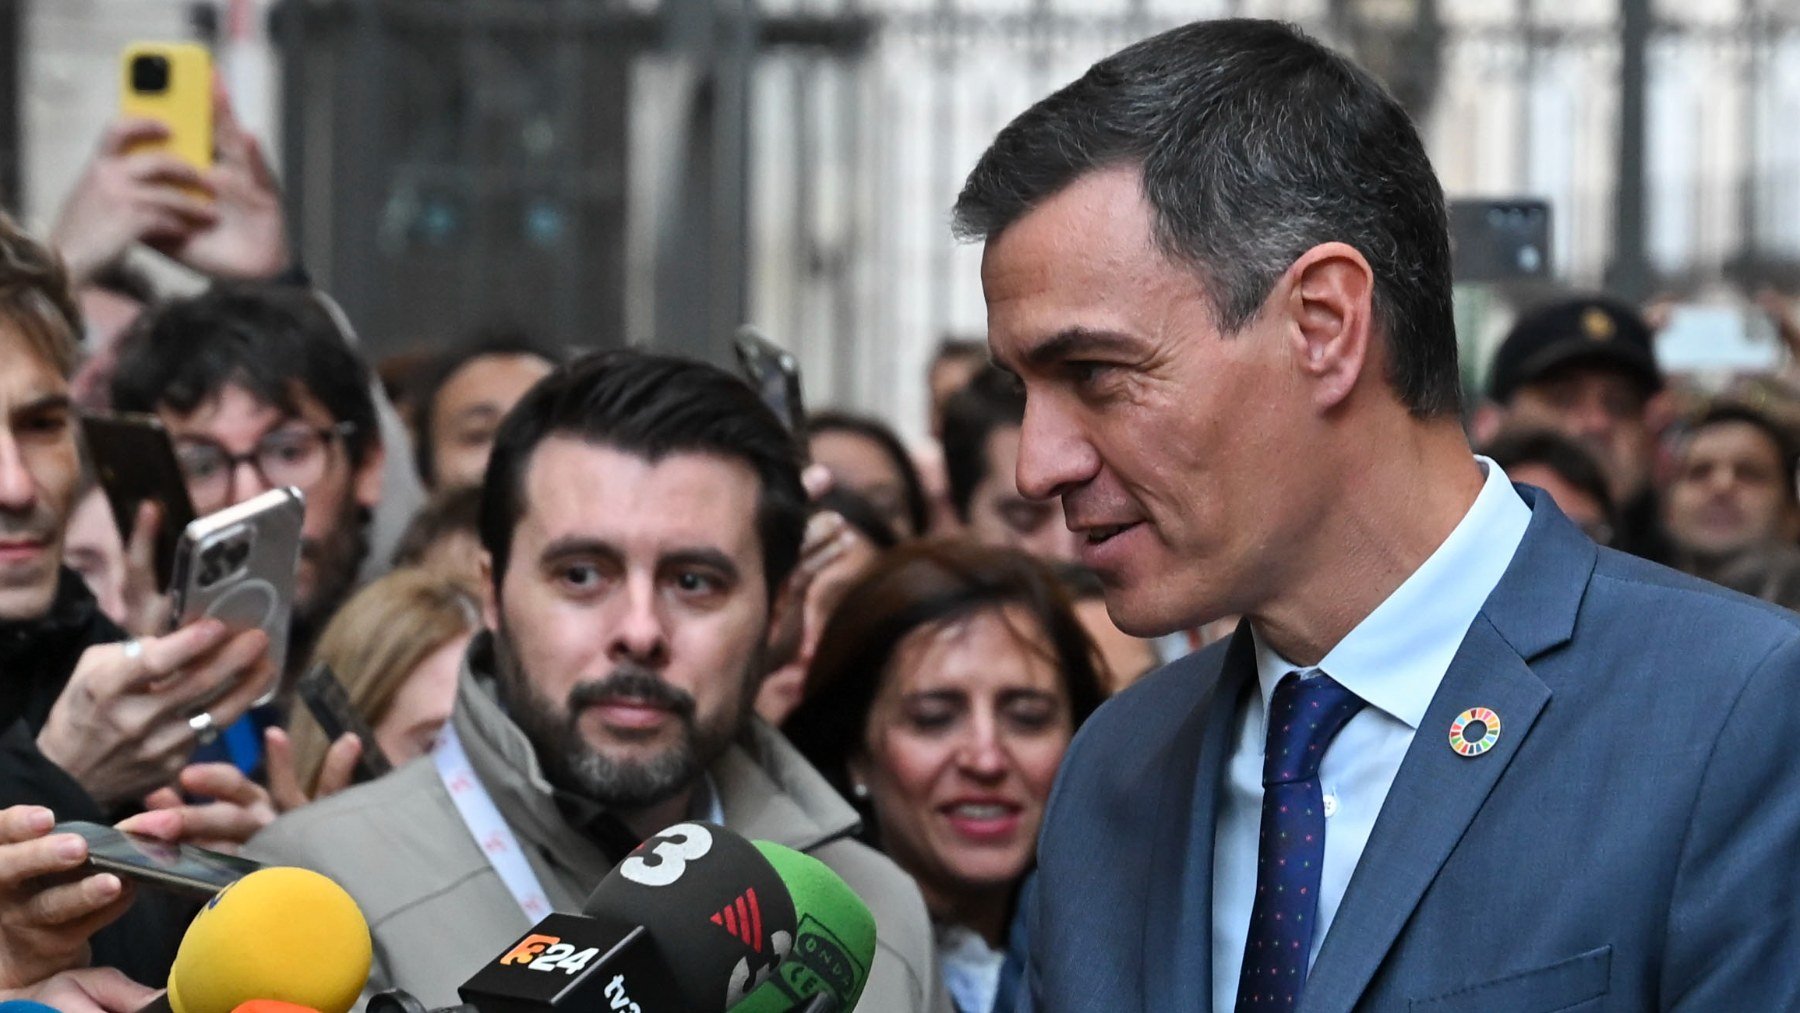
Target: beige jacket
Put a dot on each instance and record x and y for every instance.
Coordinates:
(438, 911)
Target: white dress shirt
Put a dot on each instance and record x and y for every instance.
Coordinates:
(1394, 660)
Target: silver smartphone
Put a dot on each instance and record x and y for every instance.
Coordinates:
(181, 868)
(239, 566)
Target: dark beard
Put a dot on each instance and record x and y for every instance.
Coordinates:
(336, 558)
(624, 785)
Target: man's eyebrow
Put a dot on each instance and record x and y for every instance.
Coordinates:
(1076, 342)
(577, 545)
(45, 403)
(700, 557)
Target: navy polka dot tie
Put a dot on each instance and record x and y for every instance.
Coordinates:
(1304, 716)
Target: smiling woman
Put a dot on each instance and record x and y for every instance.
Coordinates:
(945, 689)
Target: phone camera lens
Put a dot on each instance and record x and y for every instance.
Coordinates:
(150, 74)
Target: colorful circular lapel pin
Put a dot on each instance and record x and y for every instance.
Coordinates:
(1474, 731)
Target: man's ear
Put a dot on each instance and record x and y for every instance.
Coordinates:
(369, 474)
(1329, 293)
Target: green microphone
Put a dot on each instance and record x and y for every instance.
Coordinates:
(827, 964)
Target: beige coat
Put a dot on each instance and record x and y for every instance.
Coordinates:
(438, 911)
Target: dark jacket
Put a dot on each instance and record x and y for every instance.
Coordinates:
(36, 659)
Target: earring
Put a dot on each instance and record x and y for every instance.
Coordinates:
(860, 791)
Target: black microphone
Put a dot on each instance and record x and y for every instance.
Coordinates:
(678, 927)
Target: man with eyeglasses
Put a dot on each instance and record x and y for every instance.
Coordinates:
(258, 390)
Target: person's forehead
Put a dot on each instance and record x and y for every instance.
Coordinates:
(1589, 375)
(579, 489)
(28, 372)
(235, 405)
(492, 376)
(1733, 438)
(995, 648)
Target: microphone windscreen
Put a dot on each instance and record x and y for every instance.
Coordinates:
(279, 933)
(272, 1006)
(714, 906)
(834, 943)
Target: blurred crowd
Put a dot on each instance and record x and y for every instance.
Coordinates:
(620, 591)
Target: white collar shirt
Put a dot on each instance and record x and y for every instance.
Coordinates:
(1393, 660)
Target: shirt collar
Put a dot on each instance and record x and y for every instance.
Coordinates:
(1395, 658)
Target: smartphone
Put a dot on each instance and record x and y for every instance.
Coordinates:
(171, 82)
(330, 706)
(1499, 240)
(775, 374)
(1705, 338)
(181, 868)
(239, 565)
(134, 461)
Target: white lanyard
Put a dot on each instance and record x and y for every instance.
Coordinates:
(487, 826)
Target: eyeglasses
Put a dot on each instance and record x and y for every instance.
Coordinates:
(293, 456)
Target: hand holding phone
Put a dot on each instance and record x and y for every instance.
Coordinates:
(123, 725)
(171, 83)
(179, 868)
(330, 705)
(239, 566)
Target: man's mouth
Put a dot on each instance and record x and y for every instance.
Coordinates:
(1102, 533)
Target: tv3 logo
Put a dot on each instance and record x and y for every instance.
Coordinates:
(617, 997)
(745, 978)
(549, 953)
(670, 852)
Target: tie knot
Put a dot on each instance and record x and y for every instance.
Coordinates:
(1304, 716)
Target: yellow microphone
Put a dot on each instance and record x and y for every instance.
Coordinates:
(283, 934)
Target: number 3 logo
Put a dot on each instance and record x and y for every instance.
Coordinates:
(674, 849)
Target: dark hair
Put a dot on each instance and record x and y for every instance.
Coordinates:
(272, 340)
(918, 510)
(437, 373)
(952, 348)
(1570, 460)
(1255, 144)
(1730, 412)
(446, 513)
(650, 406)
(916, 585)
(35, 298)
(992, 400)
(860, 514)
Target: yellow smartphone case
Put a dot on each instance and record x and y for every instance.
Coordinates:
(184, 103)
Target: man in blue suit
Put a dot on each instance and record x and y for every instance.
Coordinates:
(1456, 757)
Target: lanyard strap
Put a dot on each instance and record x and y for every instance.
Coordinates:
(487, 826)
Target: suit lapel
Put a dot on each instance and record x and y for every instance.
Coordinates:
(1437, 793)
(1177, 945)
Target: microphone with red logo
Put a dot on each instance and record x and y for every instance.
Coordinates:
(689, 922)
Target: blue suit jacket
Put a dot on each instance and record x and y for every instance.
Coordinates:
(1632, 842)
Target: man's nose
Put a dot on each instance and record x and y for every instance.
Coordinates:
(18, 490)
(638, 633)
(1054, 454)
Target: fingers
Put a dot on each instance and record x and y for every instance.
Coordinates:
(163, 798)
(24, 823)
(105, 988)
(278, 759)
(243, 670)
(817, 480)
(164, 823)
(164, 170)
(79, 908)
(123, 135)
(222, 782)
(339, 767)
(165, 656)
(45, 856)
